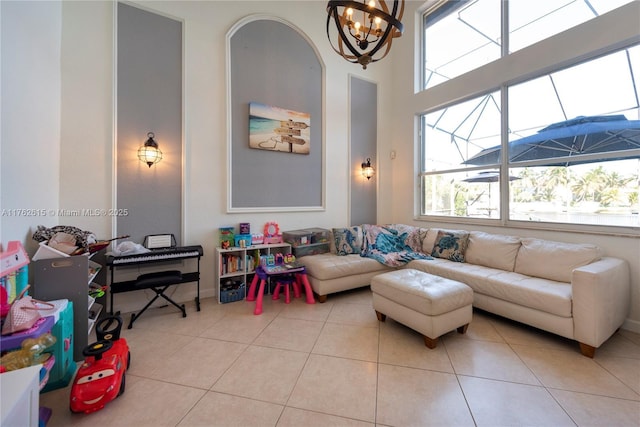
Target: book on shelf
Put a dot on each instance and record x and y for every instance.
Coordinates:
(231, 264)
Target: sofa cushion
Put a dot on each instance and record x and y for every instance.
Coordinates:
(492, 250)
(451, 245)
(553, 260)
(348, 240)
(429, 240)
(330, 266)
(541, 294)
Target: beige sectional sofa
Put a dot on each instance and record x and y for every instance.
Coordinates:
(568, 289)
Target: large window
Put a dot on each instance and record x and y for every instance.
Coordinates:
(571, 153)
(471, 32)
(454, 135)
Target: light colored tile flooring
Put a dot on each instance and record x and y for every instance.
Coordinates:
(334, 364)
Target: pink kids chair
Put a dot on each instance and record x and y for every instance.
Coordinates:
(287, 282)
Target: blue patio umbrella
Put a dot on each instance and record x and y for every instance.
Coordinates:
(489, 177)
(582, 135)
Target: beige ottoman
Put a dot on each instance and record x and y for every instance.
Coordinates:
(429, 304)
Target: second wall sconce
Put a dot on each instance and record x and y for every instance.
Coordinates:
(149, 153)
(367, 169)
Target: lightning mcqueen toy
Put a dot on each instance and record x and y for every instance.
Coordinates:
(101, 378)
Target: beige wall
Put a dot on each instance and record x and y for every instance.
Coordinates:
(30, 142)
(85, 169)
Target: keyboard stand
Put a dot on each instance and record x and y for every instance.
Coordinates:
(159, 282)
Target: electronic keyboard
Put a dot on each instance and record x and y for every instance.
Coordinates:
(157, 255)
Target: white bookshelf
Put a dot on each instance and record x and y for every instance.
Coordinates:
(236, 265)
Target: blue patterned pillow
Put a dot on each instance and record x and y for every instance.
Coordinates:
(348, 240)
(451, 245)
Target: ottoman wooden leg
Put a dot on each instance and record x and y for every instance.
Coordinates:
(463, 329)
(381, 316)
(430, 342)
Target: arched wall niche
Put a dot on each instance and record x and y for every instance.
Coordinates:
(273, 63)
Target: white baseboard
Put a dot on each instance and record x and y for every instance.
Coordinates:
(631, 325)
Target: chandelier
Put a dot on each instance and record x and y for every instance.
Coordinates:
(364, 30)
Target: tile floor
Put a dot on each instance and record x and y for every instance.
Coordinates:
(334, 364)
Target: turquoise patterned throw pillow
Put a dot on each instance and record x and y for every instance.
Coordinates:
(348, 240)
(451, 245)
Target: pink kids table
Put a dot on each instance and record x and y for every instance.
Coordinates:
(263, 273)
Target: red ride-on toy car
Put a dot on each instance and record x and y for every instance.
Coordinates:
(101, 378)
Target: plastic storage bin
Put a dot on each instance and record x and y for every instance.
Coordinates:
(232, 293)
(319, 235)
(297, 237)
(312, 249)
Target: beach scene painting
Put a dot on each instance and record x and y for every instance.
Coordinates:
(278, 129)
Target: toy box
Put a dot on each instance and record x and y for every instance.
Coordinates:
(242, 240)
(226, 237)
(269, 240)
(14, 341)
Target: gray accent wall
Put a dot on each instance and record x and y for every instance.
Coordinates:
(149, 99)
(364, 137)
(272, 64)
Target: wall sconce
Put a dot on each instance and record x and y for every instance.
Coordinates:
(367, 169)
(149, 153)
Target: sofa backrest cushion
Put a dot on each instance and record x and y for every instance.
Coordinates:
(492, 250)
(553, 260)
(429, 240)
(332, 242)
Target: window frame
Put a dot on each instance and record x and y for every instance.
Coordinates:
(503, 87)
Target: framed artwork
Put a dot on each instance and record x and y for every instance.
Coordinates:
(277, 129)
